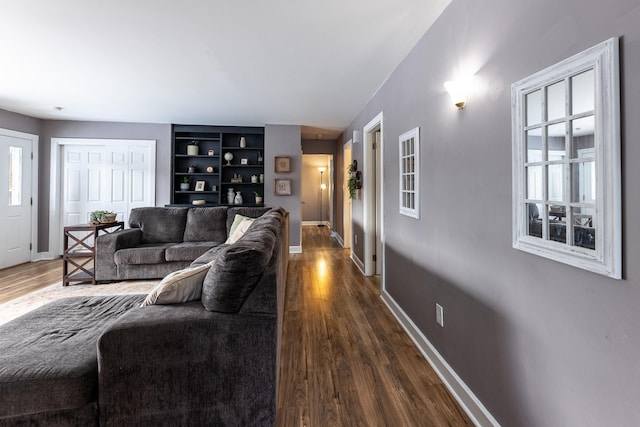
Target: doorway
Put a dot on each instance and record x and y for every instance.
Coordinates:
(373, 197)
(17, 229)
(99, 174)
(317, 190)
(346, 204)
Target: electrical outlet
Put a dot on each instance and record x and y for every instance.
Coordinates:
(439, 315)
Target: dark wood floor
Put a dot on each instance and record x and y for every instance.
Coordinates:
(345, 361)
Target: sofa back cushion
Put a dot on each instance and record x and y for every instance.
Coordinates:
(248, 211)
(237, 269)
(206, 225)
(159, 225)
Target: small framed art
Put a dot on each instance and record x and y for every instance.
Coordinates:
(283, 187)
(283, 164)
(200, 185)
(244, 161)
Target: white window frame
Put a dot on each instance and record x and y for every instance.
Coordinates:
(413, 212)
(606, 257)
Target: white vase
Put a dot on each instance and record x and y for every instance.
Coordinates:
(192, 150)
(230, 196)
(243, 142)
(258, 200)
(238, 199)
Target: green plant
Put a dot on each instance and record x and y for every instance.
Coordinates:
(186, 179)
(99, 215)
(257, 194)
(353, 183)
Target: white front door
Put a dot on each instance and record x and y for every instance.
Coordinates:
(15, 200)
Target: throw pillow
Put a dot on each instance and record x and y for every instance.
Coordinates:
(179, 286)
(240, 225)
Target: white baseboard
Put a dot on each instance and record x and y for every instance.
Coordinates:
(41, 256)
(325, 223)
(338, 238)
(357, 262)
(295, 249)
(479, 415)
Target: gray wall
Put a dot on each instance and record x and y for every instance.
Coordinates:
(284, 140)
(539, 343)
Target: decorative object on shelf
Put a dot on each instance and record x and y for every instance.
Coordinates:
(230, 196)
(254, 179)
(260, 160)
(283, 187)
(244, 161)
(214, 188)
(199, 202)
(243, 142)
(200, 185)
(354, 183)
(261, 178)
(283, 164)
(258, 197)
(228, 156)
(211, 153)
(192, 148)
(192, 169)
(210, 169)
(184, 185)
(237, 178)
(238, 199)
(105, 217)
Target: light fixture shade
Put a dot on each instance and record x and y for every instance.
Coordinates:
(457, 92)
(322, 169)
(357, 137)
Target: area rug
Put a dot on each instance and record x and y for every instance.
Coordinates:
(17, 307)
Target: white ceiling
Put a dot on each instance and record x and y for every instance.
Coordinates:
(231, 62)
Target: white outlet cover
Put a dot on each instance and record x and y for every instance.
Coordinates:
(439, 315)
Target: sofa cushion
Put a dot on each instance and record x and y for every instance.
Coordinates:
(249, 211)
(159, 225)
(206, 225)
(240, 226)
(210, 255)
(188, 251)
(236, 270)
(148, 253)
(180, 286)
(48, 358)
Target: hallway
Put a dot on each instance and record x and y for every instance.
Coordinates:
(345, 360)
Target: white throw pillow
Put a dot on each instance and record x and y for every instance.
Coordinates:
(239, 229)
(180, 286)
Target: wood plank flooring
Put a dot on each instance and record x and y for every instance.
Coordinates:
(345, 361)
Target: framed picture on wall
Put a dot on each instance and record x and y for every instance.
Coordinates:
(283, 187)
(283, 164)
(200, 185)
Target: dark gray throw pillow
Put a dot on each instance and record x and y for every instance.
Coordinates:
(236, 271)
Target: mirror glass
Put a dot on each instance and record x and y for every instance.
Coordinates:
(583, 140)
(534, 145)
(556, 142)
(556, 182)
(534, 107)
(557, 223)
(534, 182)
(556, 101)
(583, 92)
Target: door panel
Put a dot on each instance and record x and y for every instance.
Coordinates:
(15, 200)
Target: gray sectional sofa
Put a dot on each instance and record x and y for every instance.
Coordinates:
(162, 240)
(104, 360)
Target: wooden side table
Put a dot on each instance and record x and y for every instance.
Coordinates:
(80, 253)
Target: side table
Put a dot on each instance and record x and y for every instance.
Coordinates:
(79, 250)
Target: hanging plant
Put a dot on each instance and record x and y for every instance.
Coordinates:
(354, 183)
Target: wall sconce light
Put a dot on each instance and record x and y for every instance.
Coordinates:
(322, 188)
(457, 92)
(357, 137)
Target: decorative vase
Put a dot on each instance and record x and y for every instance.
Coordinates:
(228, 157)
(191, 169)
(192, 150)
(230, 196)
(258, 200)
(243, 142)
(238, 199)
(109, 217)
(254, 179)
(261, 178)
(260, 158)
(184, 186)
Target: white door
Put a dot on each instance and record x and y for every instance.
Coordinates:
(115, 177)
(378, 202)
(15, 200)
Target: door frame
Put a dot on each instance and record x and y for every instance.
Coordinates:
(57, 176)
(368, 196)
(34, 139)
(347, 214)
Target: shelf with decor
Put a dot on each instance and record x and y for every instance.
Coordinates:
(198, 159)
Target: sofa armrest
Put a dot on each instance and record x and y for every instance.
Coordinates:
(106, 247)
(180, 364)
